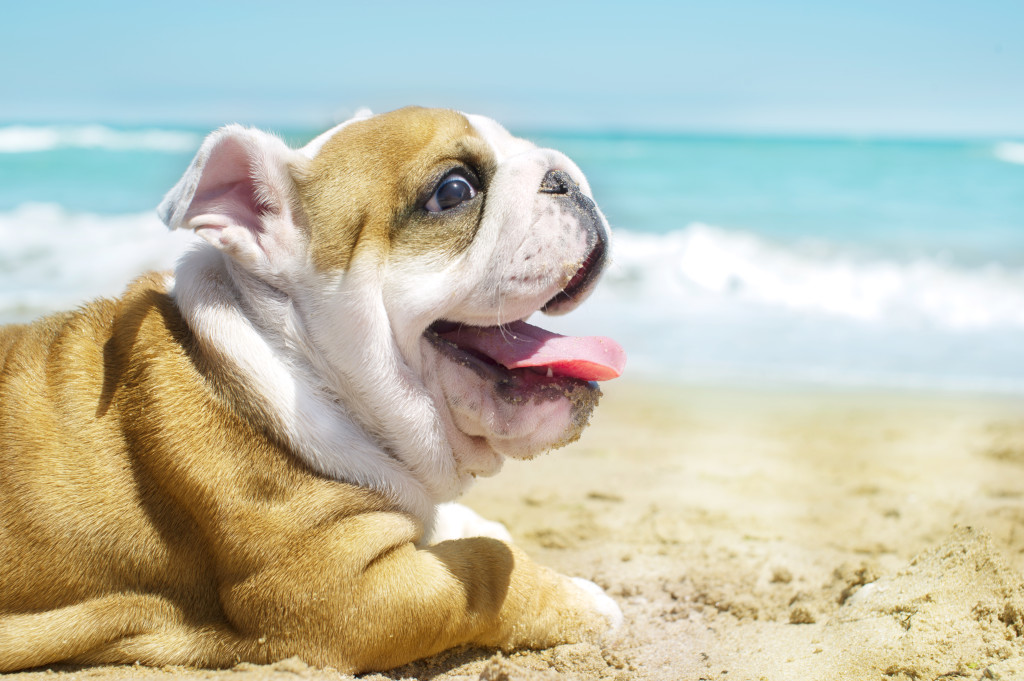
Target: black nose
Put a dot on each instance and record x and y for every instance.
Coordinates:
(558, 182)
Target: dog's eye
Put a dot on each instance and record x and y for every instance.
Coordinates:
(454, 189)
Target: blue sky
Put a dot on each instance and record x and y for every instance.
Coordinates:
(870, 67)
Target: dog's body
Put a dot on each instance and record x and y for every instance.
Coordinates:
(242, 461)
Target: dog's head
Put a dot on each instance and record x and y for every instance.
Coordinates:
(392, 261)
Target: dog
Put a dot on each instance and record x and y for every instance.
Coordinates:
(244, 460)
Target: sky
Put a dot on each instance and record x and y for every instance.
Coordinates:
(873, 67)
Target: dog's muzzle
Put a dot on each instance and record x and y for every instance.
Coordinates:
(563, 188)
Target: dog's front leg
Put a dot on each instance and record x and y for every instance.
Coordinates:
(477, 591)
(398, 603)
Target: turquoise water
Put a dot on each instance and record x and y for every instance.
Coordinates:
(885, 197)
(867, 262)
(903, 198)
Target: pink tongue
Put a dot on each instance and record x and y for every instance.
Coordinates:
(519, 345)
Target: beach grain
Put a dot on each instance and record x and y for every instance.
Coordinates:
(758, 533)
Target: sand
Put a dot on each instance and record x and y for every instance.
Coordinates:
(762, 534)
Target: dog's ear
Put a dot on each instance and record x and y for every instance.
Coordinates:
(238, 195)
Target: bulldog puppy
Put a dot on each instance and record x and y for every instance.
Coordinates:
(242, 461)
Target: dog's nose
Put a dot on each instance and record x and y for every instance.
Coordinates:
(558, 182)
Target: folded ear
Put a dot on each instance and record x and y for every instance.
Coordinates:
(238, 195)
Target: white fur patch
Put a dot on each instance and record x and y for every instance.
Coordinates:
(304, 412)
(602, 602)
(455, 521)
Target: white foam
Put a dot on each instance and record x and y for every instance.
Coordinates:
(697, 302)
(1011, 152)
(53, 259)
(706, 304)
(709, 266)
(21, 139)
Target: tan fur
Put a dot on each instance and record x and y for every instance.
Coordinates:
(360, 189)
(144, 516)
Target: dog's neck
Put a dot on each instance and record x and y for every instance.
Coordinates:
(307, 400)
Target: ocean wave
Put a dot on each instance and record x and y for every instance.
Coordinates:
(699, 301)
(54, 259)
(22, 139)
(702, 265)
(1011, 152)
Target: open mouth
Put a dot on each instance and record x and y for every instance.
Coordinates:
(528, 351)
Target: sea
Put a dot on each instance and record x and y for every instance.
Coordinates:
(874, 263)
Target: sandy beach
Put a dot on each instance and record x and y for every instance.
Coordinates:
(761, 533)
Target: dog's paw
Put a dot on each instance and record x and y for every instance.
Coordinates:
(455, 521)
(601, 602)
